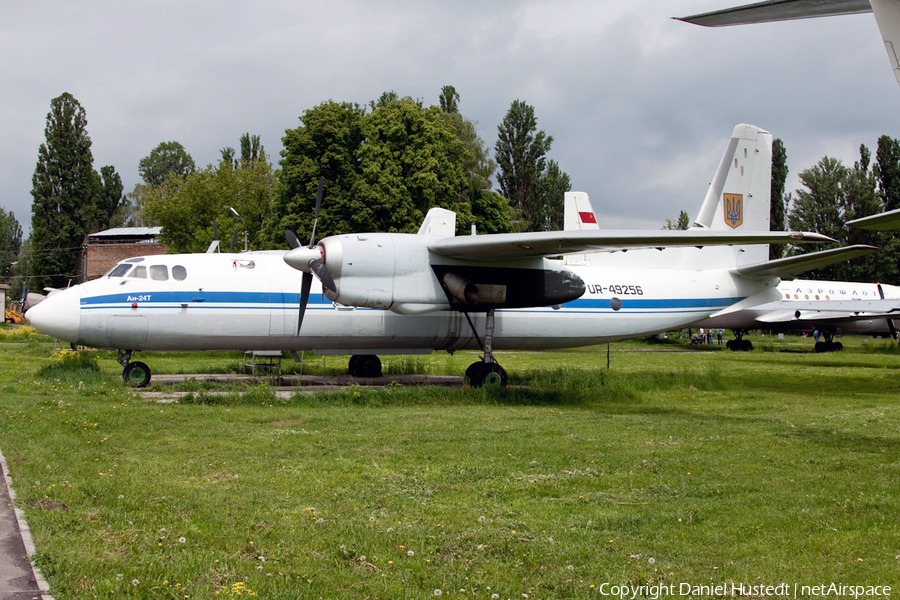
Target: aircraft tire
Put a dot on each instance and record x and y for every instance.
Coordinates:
(746, 346)
(353, 366)
(368, 365)
(838, 346)
(136, 374)
(482, 374)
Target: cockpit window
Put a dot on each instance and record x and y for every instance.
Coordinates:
(140, 272)
(159, 273)
(119, 270)
(179, 273)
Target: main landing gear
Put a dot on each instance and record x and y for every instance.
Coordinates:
(739, 344)
(365, 365)
(829, 345)
(136, 374)
(485, 372)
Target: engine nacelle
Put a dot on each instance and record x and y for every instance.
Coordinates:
(397, 272)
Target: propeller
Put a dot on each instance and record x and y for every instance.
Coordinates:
(233, 239)
(309, 259)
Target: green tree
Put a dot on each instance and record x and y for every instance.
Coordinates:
(682, 222)
(887, 171)
(110, 198)
(411, 161)
(190, 206)
(861, 199)
(10, 242)
(521, 155)
(776, 209)
(449, 100)
(490, 211)
(324, 145)
(167, 158)
(550, 199)
(835, 194)
(251, 149)
(383, 170)
(64, 188)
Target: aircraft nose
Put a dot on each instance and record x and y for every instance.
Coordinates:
(59, 315)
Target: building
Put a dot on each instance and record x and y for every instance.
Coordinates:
(106, 248)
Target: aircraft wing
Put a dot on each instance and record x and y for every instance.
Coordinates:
(778, 10)
(886, 221)
(794, 265)
(824, 311)
(510, 246)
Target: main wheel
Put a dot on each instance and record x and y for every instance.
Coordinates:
(481, 374)
(136, 374)
(352, 367)
(368, 365)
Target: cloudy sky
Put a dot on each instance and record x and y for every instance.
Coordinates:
(640, 106)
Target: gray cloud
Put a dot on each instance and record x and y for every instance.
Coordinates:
(640, 106)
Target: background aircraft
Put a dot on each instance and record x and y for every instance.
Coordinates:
(415, 293)
(887, 15)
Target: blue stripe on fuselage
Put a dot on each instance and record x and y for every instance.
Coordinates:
(266, 300)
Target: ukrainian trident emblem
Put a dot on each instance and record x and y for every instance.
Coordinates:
(734, 209)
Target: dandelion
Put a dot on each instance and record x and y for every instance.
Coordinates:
(438, 592)
(135, 582)
(651, 560)
(182, 540)
(410, 553)
(119, 577)
(570, 568)
(481, 519)
(371, 519)
(495, 596)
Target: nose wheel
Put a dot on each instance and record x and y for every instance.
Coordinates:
(135, 374)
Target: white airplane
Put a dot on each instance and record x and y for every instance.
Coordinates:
(887, 15)
(415, 293)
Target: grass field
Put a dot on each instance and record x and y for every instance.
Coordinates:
(673, 468)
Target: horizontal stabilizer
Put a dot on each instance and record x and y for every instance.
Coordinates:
(886, 221)
(778, 10)
(778, 316)
(793, 265)
(764, 297)
(555, 243)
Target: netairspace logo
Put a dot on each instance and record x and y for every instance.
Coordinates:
(782, 590)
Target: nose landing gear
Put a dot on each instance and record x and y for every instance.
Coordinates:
(136, 374)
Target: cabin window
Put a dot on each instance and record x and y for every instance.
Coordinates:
(179, 273)
(140, 272)
(135, 260)
(119, 270)
(159, 273)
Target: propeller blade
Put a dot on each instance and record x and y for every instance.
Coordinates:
(291, 237)
(312, 237)
(305, 285)
(233, 239)
(317, 266)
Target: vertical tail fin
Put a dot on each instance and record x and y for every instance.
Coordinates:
(579, 214)
(740, 194)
